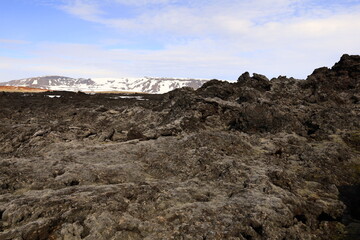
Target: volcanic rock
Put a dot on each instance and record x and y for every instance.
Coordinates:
(254, 159)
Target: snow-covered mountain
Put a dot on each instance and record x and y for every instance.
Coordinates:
(145, 84)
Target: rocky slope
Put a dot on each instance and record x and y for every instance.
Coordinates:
(255, 159)
(143, 85)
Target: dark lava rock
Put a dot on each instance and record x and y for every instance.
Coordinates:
(134, 134)
(254, 159)
(216, 88)
(257, 81)
(344, 75)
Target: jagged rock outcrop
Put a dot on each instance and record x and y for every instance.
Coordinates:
(254, 159)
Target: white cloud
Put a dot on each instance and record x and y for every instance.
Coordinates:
(208, 39)
(84, 9)
(144, 2)
(280, 49)
(211, 18)
(13, 41)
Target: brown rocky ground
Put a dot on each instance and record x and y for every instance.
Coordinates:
(256, 159)
(20, 89)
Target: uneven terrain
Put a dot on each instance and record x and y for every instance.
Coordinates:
(255, 159)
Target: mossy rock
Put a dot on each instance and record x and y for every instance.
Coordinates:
(341, 232)
(356, 168)
(352, 171)
(353, 139)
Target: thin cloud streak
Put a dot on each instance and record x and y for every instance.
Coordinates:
(13, 41)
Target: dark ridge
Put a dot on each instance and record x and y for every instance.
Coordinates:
(350, 195)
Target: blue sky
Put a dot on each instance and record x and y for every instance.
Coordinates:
(202, 39)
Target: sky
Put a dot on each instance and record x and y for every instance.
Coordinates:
(171, 38)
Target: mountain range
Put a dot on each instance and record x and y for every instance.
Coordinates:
(144, 84)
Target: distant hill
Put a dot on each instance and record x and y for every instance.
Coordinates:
(145, 84)
(20, 89)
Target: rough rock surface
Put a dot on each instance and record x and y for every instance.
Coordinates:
(255, 159)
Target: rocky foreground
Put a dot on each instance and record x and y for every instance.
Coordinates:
(255, 159)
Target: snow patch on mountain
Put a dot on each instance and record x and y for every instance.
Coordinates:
(145, 84)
